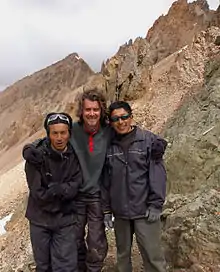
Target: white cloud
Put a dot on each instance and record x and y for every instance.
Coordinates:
(36, 33)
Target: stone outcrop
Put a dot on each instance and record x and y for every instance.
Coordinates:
(129, 72)
(179, 27)
(175, 78)
(193, 135)
(126, 71)
(191, 231)
(191, 215)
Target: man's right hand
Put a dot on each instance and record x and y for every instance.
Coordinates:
(32, 155)
(108, 221)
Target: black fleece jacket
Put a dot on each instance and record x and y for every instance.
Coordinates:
(44, 207)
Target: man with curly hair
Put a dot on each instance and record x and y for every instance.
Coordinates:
(89, 139)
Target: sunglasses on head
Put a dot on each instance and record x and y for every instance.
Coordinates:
(117, 118)
(56, 116)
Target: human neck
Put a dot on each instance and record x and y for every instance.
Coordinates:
(91, 129)
(59, 151)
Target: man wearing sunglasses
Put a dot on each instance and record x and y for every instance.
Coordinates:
(53, 187)
(133, 189)
(89, 139)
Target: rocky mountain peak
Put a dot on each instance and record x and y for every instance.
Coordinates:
(29, 99)
(73, 57)
(129, 72)
(176, 29)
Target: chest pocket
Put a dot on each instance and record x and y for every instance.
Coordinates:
(114, 156)
(140, 150)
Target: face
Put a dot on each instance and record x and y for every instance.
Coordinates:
(59, 136)
(121, 126)
(91, 113)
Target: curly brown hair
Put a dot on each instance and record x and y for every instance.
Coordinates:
(92, 95)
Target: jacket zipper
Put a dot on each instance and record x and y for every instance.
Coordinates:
(126, 180)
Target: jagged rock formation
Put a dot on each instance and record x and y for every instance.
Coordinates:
(194, 137)
(179, 27)
(176, 77)
(191, 231)
(129, 72)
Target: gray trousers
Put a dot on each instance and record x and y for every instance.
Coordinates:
(148, 240)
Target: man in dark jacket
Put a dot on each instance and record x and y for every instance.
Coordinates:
(134, 189)
(89, 138)
(53, 187)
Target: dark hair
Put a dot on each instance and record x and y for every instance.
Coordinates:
(58, 121)
(118, 105)
(92, 95)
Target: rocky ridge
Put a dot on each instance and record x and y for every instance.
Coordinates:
(27, 101)
(131, 68)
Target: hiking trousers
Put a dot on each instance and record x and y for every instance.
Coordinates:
(92, 250)
(148, 241)
(54, 250)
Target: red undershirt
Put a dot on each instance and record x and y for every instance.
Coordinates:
(91, 138)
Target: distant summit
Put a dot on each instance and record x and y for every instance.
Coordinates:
(28, 100)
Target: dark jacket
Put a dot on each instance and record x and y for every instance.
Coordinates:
(44, 207)
(134, 180)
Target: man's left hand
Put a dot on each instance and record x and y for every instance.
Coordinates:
(108, 221)
(153, 214)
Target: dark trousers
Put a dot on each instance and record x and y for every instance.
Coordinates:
(54, 250)
(148, 240)
(93, 250)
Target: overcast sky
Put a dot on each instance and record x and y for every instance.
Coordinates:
(37, 33)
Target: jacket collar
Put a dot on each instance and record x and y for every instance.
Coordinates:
(139, 135)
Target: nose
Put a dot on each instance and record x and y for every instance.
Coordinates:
(59, 137)
(92, 113)
(120, 121)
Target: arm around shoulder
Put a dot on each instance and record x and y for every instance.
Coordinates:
(158, 147)
(157, 173)
(32, 152)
